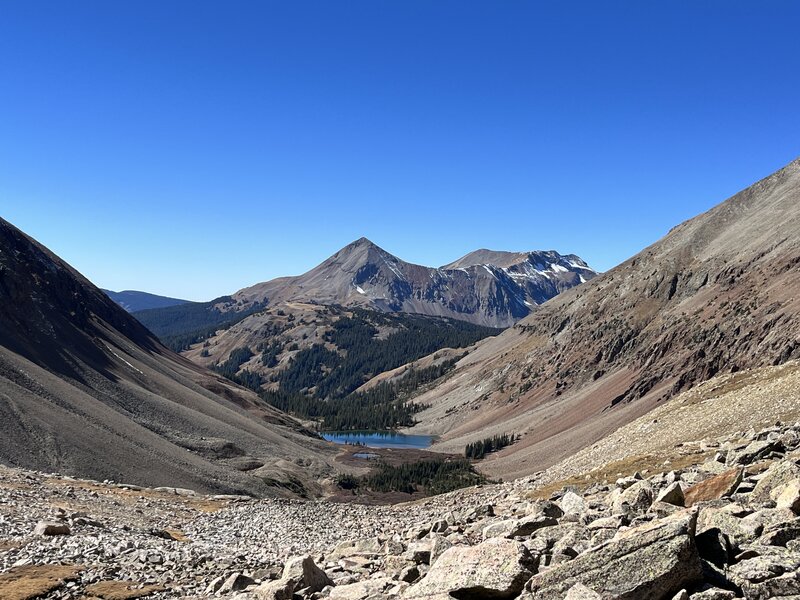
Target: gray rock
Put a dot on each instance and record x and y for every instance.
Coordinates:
(306, 573)
(672, 494)
(479, 512)
(215, 585)
(235, 583)
(524, 527)
(439, 526)
(777, 475)
(572, 504)
(282, 589)
(548, 509)
(787, 496)
(785, 586)
(753, 451)
(51, 528)
(713, 593)
(738, 531)
(626, 482)
(419, 552)
(780, 534)
(581, 592)
(663, 509)
(363, 590)
(652, 561)
(613, 522)
(176, 491)
(637, 498)
(440, 546)
(365, 547)
(760, 568)
(497, 568)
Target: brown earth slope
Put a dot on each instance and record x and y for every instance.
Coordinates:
(86, 390)
(719, 293)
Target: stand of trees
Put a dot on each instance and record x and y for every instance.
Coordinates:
(434, 476)
(319, 382)
(478, 450)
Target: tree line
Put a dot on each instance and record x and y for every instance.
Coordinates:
(481, 448)
(431, 476)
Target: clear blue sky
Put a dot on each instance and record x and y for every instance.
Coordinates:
(192, 148)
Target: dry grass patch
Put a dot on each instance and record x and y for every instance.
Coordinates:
(32, 581)
(120, 590)
(9, 545)
(644, 463)
(130, 497)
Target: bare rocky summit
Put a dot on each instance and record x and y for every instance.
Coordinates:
(473, 288)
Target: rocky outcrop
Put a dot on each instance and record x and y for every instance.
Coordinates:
(718, 294)
(484, 287)
(497, 568)
(624, 537)
(655, 560)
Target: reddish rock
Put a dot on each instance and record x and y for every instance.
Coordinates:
(716, 487)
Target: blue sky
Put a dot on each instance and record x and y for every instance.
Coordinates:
(193, 148)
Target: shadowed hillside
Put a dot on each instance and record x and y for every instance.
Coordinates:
(87, 390)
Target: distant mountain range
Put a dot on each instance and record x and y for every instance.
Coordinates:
(485, 287)
(307, 343)
(134, 301)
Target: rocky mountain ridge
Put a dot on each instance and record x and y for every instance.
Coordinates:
(133, 300)
(718, 294)
(86, 389)
(470, 289)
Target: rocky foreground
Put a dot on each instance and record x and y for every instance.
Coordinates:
(720, 521)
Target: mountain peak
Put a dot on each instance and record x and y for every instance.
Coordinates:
(364, 248)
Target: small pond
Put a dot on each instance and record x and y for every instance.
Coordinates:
(379, 439)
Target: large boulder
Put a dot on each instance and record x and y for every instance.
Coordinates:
(369, 588)
(51, 528)
(653, 561)
(779, 474)
(581, 592)
(788, 496)
(524, 527)
(365, 547)
(636, 499)
(729, 521)
(714, 488)
(235, 583)
(572, 504)
(495, 569)
(754, 451)
(282, 589)
(307, 574)
(672, 494)
(770, 574)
